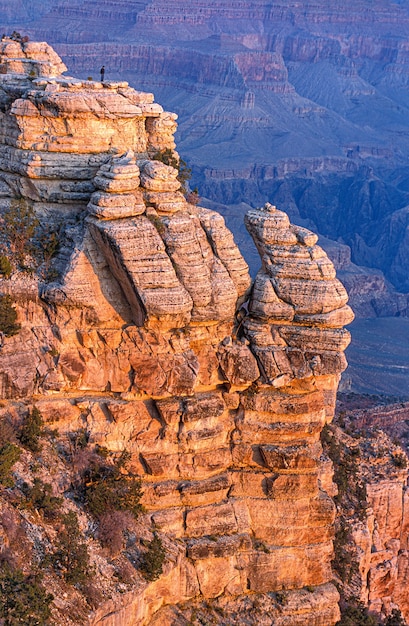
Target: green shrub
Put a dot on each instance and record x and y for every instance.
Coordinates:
(343, 562)
(17, 228)
(400, 460)
(151, 564)
(281, 597)
(40, 497)
(168, 157)
(23, 600)
(346, 472)
(8, 316)
(79, 438)
(107, 488)
(356, 614)
(46, 242)
(9, 455)
(5, 266)
(15, 35)
(157, 222)
(395, 619)
(71, 557)
(32, 430)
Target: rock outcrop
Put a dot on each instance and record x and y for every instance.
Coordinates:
(153, 340)
(373, 523)
(306, 104)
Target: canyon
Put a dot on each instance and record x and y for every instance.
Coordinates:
(145, 332)
(301, 105)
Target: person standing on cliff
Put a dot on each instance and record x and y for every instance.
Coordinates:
(102, 70)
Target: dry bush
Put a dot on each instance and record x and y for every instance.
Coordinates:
(93, 595)
(8, 432)
(193, 197)
(111, 529)
(81, 460)
(18, 552)
(125, 572)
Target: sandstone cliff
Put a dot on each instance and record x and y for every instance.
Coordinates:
(371, 471)
(145, 333)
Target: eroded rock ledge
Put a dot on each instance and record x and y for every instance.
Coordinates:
(154, 340)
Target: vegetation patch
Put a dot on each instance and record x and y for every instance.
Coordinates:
(151, 564)
(32, 430)
(110, 487)
(356, 614)
(71, 558)
(9, 455)
(40, 497)
(23, 599)
(168, 157)
(27, 244)
(8, 317)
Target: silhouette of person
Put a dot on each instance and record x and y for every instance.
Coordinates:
(102, 70)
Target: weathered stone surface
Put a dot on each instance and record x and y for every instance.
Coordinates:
(298, 307)
(29, 58)
(238, 363)
(157, 176)
(223, 246)
(266, 304)
(165, 201)
(150, 340)
(202, 273)
(289, 567)
(148, 281)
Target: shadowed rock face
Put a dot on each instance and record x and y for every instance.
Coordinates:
(155, 339)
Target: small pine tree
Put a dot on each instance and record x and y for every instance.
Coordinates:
(40, 497)
(32, 430)
(18, 225)
(9, 454)
(168, 157)
(8, 317)
(71, 557)
(108, 489)
(356, 614)
(151, 564)
(395, 619)
(23, 600)
(5, 266)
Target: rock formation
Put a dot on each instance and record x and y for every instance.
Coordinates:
(317, 115)
(153, 340)
(372, 525)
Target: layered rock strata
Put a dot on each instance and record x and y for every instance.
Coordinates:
(154, 341)
(373, 516)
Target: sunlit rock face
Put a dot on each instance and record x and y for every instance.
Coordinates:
(153, 338)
